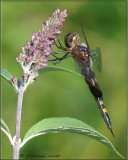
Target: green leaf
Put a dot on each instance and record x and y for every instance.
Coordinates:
(6, 130)
(52, 68)
(56, 125)
(6, 74)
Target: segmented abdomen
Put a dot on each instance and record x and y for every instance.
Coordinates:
(104, 113)
(90, 79)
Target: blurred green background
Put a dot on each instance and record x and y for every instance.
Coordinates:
(61, 94)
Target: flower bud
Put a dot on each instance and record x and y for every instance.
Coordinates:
(15, 82)
(25, 77)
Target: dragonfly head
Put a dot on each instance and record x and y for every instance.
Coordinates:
(71, 40)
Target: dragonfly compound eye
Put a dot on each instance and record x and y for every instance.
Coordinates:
(71, 39)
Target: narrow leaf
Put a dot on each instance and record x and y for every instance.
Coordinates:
(56, 125)
(6, 74)
(52, 68)
(6, 130)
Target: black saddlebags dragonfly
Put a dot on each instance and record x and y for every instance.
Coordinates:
(84, 57)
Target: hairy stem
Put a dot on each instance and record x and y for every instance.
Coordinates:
(16, 146)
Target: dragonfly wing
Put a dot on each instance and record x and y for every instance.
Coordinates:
(97, 58)
(77, 67)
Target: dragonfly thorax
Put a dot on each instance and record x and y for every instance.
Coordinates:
(81, 54)
(71, 40)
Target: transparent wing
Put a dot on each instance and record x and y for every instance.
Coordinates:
(97, 58)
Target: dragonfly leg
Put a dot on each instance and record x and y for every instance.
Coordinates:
(59, 43)
(52, 60)
(54, 55)
(59, 59)
(66, 57)
(60, 47)
(60, 52)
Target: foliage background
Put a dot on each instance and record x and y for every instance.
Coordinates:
(61, 94)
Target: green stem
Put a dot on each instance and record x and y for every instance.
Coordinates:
(16, 146)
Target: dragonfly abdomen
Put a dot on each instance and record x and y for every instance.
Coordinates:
(104, 114)
(90, 79)
(97, 93)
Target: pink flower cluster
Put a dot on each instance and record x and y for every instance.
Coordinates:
(34, 54)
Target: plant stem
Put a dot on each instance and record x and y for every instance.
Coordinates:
(16, 146)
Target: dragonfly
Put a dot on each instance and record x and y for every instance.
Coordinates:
(84, 57)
